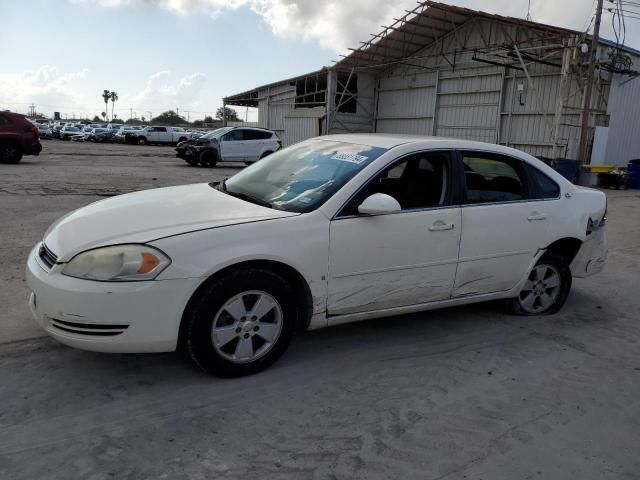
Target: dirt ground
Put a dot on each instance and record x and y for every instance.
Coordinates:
(462, 393)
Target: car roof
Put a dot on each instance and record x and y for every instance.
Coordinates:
(388, 141)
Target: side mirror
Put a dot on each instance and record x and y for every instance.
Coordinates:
(379, 204)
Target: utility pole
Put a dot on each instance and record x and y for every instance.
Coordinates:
(584, 130)
(130, 113)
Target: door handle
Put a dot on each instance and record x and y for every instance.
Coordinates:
(440, 225)
(536, 216)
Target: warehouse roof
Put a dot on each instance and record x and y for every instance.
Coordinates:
(418, 28)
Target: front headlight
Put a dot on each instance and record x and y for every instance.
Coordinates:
(120, 263)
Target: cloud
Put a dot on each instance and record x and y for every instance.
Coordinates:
(46, 86)
(51, 89)
(339, 24)
(163, 92)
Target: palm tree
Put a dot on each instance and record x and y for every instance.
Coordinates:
(104, 115)
(114, 98)
(143, 119)
(106, 96)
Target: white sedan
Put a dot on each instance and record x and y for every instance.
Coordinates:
(331, 230)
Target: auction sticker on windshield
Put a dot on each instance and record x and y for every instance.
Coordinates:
(349, 157)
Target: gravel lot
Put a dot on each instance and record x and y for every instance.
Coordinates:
(459, 393)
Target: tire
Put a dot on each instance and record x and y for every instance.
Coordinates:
(546, 289)
(208, 159)
(142, 141)
(10, 153)
(265, 154)
(65, 138)
(242, 344)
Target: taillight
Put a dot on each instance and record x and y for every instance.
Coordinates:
(34, 130)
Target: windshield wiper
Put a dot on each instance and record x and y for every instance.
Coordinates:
(243, 196)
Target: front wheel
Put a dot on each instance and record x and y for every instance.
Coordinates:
(208, 159)
(546, 288)
(142, 141)
(242, 323)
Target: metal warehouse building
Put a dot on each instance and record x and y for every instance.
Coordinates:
(450, 71)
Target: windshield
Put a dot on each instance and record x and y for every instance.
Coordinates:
(302, 177)
(217, 133)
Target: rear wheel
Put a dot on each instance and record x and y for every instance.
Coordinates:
(142, 141)
(208, 159)
(10, 152)
(546, 288)
(241, 323)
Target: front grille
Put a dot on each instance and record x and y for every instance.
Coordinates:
(91, 329)
(47, 256)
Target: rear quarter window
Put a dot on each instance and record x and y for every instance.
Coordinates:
(541, 185)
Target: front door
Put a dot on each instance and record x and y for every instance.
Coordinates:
(231, 146)
(502, 226)
(400, 259)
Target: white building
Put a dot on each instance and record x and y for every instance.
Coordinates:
(450, 71)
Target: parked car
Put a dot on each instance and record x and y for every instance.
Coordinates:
(55, 130)
(160, 135)
(229, 144)
(44, 131)
(69, 131)
(331, 230)
(121, 135)
(18, 137)
(94, 132)
(101, 135)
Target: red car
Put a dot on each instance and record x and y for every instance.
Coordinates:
(18, 137)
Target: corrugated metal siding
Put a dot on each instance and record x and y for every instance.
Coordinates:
(362, 120)
(297, 129)
(623, 143)
(468, 104)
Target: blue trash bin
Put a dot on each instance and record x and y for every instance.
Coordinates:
(634, 174)
(568, 168)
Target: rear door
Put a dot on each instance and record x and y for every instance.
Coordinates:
(503, 225)
(254, 144)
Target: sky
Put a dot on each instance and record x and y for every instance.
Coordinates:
(187, 54)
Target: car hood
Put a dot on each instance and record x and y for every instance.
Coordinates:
(144, 216)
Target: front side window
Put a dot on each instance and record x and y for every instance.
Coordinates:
(302, 177)
(492, 178)
(417, 182)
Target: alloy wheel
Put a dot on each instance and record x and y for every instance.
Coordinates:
(541, 289)
(247, 326)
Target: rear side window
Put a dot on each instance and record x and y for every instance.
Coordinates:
(234, 135)
(541, 185)
(493, 178)
(256, 135)
(4, 120)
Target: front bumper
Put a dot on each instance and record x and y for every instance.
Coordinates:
(122, 317)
